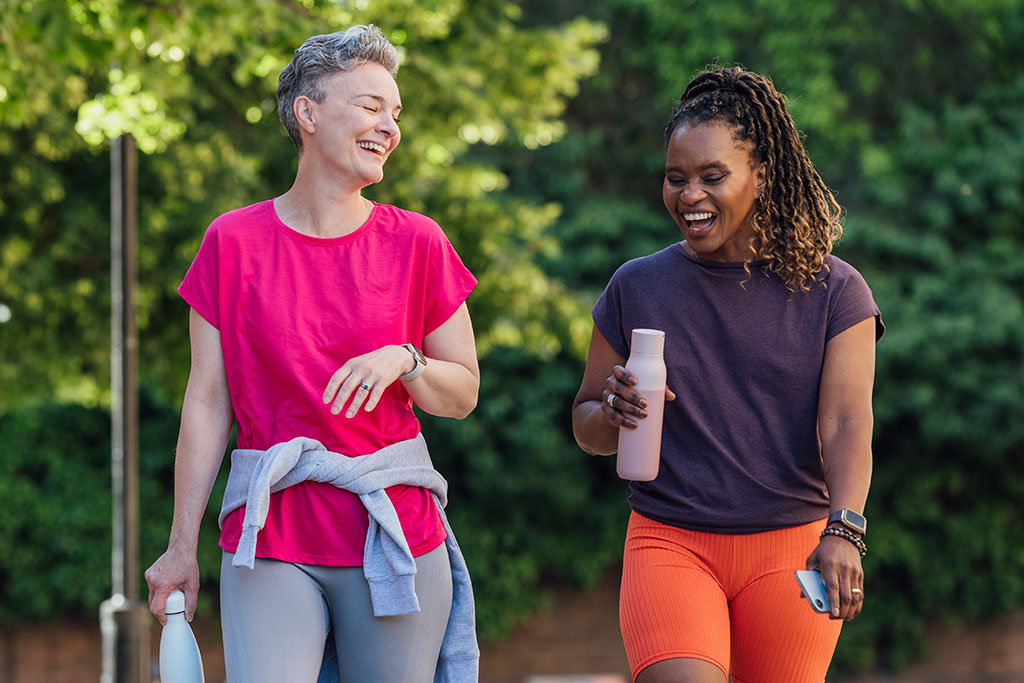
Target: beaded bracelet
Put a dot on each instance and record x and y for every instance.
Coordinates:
(849, 536)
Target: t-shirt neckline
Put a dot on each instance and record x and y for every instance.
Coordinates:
(322, 241)
(756, 264)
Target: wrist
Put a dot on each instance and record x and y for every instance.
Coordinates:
(848, 519)
(846, 534)
(409, 361)
(182, 544)
(419, 363)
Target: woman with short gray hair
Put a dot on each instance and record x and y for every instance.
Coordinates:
(317, 318)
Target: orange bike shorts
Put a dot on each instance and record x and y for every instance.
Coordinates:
(728, 599)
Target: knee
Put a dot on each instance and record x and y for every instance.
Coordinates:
(682, 670)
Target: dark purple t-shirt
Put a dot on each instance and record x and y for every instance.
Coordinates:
(740, 450)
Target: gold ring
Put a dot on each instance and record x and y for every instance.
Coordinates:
(856, 590)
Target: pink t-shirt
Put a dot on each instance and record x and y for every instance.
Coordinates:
(292, 309)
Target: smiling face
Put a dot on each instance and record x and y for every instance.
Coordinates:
(355, 128)
(711, 185)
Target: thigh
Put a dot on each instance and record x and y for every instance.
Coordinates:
(671, 605)
(274, 621)
(404, 648)
(777, 637)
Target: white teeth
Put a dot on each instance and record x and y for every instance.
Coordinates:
(697, 216)
(373, 147)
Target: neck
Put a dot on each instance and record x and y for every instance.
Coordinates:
(319, 205)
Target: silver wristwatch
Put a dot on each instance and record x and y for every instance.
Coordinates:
(421, 363)
(851, 520)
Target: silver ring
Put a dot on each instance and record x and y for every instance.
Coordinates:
(856, 590)
(611, 400)
(366, 386)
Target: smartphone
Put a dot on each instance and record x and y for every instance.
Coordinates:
(813, 589)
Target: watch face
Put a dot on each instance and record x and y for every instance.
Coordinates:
(850, 519)
(855, 521)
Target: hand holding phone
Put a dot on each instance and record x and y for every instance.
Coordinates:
(813, 588)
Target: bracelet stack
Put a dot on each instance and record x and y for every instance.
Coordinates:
(848, 535)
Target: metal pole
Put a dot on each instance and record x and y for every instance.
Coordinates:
(124, 619)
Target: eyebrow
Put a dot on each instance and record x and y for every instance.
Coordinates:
(705, 167)
(378, 98)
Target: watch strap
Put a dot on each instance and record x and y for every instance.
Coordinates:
(421, 363)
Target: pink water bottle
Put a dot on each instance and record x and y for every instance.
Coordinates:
(640, 448)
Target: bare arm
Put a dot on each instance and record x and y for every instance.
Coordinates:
(206, 419)
(595, 423)
(448, 387)
(845, 424)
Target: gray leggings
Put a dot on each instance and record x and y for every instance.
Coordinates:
(276, 619)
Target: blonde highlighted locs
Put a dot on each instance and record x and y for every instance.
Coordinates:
(797, 220)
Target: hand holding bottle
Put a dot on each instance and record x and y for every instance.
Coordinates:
(634, 401)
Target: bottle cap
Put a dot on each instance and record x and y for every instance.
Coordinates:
(175, 603)
(647, 341)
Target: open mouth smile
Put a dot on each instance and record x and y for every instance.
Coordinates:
(378, 149)
(699, 221)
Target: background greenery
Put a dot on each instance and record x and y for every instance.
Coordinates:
(532, 133)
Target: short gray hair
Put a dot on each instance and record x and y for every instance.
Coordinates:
(325, 55)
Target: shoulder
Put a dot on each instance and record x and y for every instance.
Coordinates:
(840, 270)
(242, 221)
(654, 265)
(408, 222)
(850, 299)
(837, 270)
(838, 275)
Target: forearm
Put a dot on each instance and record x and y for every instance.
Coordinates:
(205, 428)
(445, 389)
(847, 462)
(593, 432)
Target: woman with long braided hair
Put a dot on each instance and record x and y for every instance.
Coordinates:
(766, 444)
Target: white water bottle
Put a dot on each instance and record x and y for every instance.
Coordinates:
(180, 661)
(640, 448)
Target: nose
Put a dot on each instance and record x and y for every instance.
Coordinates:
(388, 126)
(692, 193)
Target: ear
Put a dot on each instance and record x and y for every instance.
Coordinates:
(302, 107)
(761, 173)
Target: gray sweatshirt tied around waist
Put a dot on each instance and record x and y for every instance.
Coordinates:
(388, 563)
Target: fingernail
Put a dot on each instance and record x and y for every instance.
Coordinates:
(643, 403)
(335, 410)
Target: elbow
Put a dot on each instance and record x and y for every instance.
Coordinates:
(590, 442)
(467, 404)
(462, 411)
